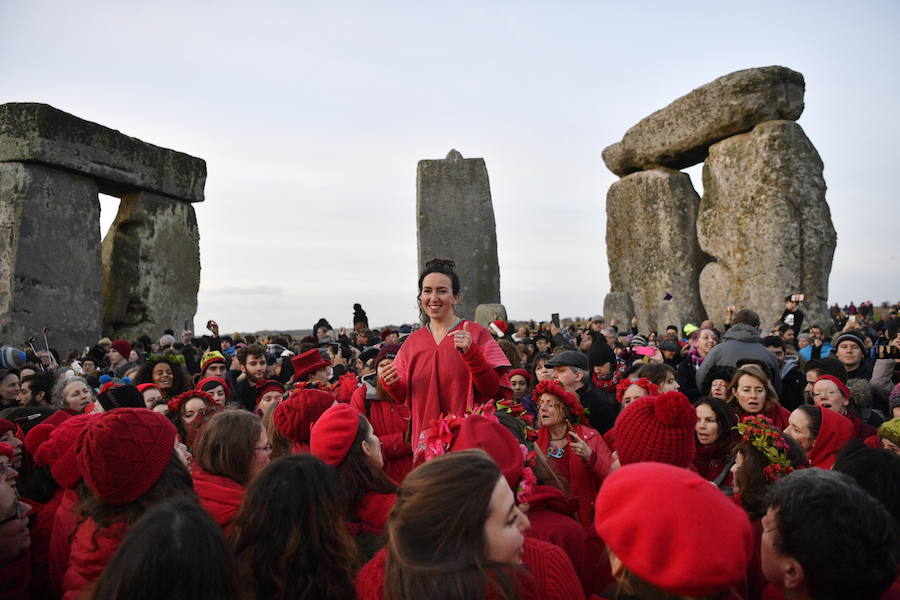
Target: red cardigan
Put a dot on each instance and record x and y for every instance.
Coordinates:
(92, 549)
(554, 576)
(220, 496)
(391, 423)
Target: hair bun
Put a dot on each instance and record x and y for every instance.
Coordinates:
(673, 408)
(441, 262)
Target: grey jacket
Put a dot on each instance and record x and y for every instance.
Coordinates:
(741, 342)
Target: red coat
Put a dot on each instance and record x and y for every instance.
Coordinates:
(554, 577)
(390, 421)
(584, 477)
(41, 530)
(92, 550)
(435, 379)
(65, 522)
(220, 496)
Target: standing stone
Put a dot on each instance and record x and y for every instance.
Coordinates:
(619, 307)
(455, 220)
(680, 134)
(151, 266)
(765, 221)
(49, 256)
(652, 249)
(485, 313)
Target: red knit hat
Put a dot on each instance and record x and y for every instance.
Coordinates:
(521, 372)
(308, 362)
(209, 383)
(657, 429)
(7, 451)
(667, 544)
(624, 384)
(556, 389)
(175, 403)
(477, 431)
(123, 347)
(124, 452)
(266, 386)
(295, 416)
(36, 436)
(58, 452)
(332, 435)
(840, 384)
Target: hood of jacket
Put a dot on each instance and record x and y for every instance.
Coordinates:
(743, 333)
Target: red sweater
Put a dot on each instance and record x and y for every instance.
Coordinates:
(391, 423)
(92, 549)
(554, 577)
(220, 496)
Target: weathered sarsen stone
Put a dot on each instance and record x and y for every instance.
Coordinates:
(765, 221)
(679, 135)
(119, 164)
(485, 313)
(49, 256)
(151, 266)
(455, 219)
(652, 249)
(618, 307)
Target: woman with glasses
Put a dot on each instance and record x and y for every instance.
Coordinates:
(232, 450)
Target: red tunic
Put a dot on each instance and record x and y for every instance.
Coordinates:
(584, 477)
(436, 379)
(220, 496)
(90, 555)
(554, 577)
(390, 421)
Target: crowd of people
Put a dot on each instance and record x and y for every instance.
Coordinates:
(451, 460)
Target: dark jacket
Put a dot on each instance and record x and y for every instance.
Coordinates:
(601, 410)
(741, 342)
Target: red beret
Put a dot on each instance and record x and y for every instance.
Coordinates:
(477, 431)
(521, 372)
(295, 416)
(124, 452)
(667, 544)
(333, 433)
(658, 429)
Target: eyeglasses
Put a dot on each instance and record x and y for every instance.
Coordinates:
(266, 449)
(15, 510)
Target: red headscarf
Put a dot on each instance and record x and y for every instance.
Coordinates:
(834, 433)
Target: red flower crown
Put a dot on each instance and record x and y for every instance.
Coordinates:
(569, 399)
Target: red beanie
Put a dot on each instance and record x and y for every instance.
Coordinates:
(477, 431)
(657, 429)
(667, 544)
(521, 372)
(295, 416)
(36, 436)
(7, 451)
(332, 435)
(209, 383)
(124, 452)
(266, 386)
(123, 347)
(840, 384)
(58, 452)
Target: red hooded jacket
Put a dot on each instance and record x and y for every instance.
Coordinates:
(220, 496)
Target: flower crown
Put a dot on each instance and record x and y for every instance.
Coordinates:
(510, 407)
(760, 432)
(568, 399)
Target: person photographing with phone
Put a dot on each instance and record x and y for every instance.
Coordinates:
(575, 451)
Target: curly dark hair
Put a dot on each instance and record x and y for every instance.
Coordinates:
(181, 380)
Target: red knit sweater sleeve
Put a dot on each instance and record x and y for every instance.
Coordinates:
(370, 579)
(554, 575)
(485, 379)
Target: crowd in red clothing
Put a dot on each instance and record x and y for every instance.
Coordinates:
(450, 460)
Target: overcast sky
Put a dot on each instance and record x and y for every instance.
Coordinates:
(312, 116)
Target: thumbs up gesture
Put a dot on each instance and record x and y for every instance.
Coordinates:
(462, 339)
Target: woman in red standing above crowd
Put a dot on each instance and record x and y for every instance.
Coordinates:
(449, 366)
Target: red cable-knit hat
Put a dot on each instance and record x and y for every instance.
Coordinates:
(295, 416)
(123, 453)
(667, 544)
(58, 452)
(657, 429)
(332, 435)
(36, 437)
